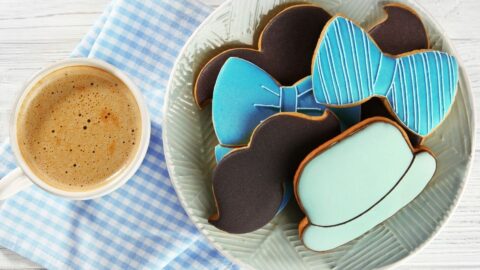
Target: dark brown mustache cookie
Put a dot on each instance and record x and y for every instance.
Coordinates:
(249, 183)
(401, 31)
(287, 43)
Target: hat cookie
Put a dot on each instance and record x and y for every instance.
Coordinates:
(285, 49)
(349, 69)
(250, 183)
(357, 180)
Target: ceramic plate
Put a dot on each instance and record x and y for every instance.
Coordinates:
(189, 141)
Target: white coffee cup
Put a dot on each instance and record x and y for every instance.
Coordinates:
(23, 176)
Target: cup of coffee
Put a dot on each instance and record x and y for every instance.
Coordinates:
(79, 130)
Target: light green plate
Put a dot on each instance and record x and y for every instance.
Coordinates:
(189, 141)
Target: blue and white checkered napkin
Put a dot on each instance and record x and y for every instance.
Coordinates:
(142, 225)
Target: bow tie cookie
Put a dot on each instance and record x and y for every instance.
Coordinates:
(251, 183)
(357, 180)
(245, 95)
(349, 68)
(400, 31)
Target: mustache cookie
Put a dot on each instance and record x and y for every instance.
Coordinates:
(250, 183)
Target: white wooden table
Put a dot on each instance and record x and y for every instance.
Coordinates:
(35, 33)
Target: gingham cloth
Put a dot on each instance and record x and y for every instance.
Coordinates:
(142, 225)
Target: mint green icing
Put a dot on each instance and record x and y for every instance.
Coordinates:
(352, 175)
(358, 183)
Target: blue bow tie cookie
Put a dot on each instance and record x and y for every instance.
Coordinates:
(349, 68)
(244, 95)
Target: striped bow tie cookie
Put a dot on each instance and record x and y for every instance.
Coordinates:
(349, 68)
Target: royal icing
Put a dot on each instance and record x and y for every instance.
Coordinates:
(355, 182)
(349, 68)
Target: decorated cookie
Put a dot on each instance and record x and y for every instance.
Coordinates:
(400, 31)
(357, 180)
(250, 183)
(349, 69)
(221, 151)
(245, 95)
(285, 49)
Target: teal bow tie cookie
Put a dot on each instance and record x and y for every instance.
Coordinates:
(244, 95)
(349, 68)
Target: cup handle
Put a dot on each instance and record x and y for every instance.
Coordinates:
(14, 182)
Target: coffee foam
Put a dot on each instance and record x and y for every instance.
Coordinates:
(78, 127)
